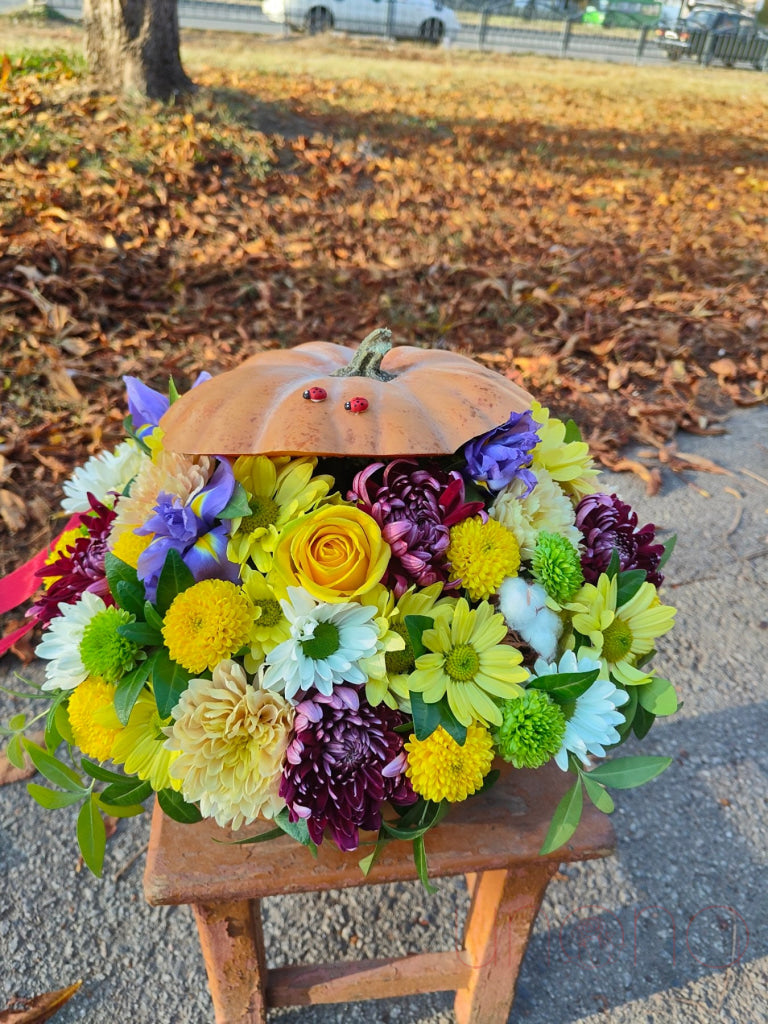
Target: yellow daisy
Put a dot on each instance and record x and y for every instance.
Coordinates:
(620, 635)
(280, 489)
(391, 686)
(140, 747)
(468, 663)
(569, 463)
(270, 626)
(440, 769)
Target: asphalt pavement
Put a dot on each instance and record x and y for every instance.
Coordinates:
(669, 930)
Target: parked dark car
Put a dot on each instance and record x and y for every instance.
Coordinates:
(710, 34)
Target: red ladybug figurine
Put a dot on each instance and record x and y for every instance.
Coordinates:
(315, 394)
(356, 405)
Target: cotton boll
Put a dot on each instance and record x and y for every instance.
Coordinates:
(520, 601)
(544, 633)
(524, 608)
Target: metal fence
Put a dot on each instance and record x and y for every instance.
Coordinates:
(544, 27)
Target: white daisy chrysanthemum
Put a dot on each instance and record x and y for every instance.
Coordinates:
(326, 644)
(524, 607)
(590, 726)
(101, 476)
(60, 645)
(547, 507)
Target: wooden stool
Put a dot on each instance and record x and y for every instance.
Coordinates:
(494, 839)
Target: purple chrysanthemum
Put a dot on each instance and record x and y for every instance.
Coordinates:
(606, 523)
(79, 570)
(334, 766)
(504, 454)
(415, 509)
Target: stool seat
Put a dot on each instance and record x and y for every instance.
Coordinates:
(494, 839)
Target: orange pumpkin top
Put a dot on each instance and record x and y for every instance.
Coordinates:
(420, 402)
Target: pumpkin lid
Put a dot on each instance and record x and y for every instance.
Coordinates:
(419, 402)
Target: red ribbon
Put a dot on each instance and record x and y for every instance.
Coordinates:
(22, 583)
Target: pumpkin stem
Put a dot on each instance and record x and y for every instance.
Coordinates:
(366, 362)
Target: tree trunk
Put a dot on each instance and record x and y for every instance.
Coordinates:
(133, 46)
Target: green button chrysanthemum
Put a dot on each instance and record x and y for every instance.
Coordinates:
(531, 730)
(103, 651)
(556, 565)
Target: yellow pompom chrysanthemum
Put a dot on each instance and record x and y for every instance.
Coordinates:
(482, 556)
(92, 718)
(207, 623)
(440, 769)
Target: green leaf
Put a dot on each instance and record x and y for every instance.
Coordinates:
(15, 752)
(92, 835)
(642, 722)
(565, 820)
(599, 796)
(126, 793)
(17, 723)
(451, 724)
(628, 772)
(298, 830)
(572, 432)
(97, 771)
(565, 687)
(629, 584)
(57, 727)
(130, 596)
(53, 770)
(119, 572)
(141, 633)
(121, 812)
(367, 862)
(131, 685)
(658, 696)
(262, 837)
(669, 547)
(432, 813)
(416, 624)
(420, 860)
(614, 565)
(628, 710)
(152, 616)
(173, 391)
(52, 798)
(175, 577)
(426, 717)
(490, 780)
(169, 680)
(175, 806)
(237, 505)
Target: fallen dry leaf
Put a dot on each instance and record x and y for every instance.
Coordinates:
(38, 1009)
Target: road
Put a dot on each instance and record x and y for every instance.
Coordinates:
(581, 42)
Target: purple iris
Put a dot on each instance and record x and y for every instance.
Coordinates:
(504, 454)
(190, 529)
(147, 406)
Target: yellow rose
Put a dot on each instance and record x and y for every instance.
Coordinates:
(336, 553)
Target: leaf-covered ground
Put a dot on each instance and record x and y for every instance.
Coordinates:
(597, 233)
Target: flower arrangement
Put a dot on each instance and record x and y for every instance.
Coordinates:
(342, 645)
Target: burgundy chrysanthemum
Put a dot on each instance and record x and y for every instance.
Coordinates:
(81, 569)
(606, 523)
(334, 766)
(415, 509)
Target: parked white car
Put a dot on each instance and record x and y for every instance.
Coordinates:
(429, 20)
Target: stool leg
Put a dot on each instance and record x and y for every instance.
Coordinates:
(503, 909)
(232, 942)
